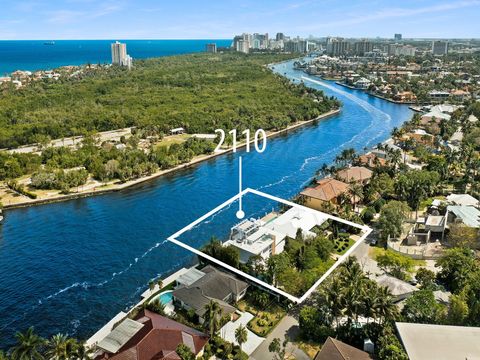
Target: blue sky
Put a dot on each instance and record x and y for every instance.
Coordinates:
(194, 19)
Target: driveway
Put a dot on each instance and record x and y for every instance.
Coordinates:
(228, 333)
(362, 254)
(286, 328)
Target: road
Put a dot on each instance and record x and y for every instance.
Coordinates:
(362, 254)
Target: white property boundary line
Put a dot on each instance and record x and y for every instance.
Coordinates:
(366, 231)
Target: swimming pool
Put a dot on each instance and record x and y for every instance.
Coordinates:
(165, 297)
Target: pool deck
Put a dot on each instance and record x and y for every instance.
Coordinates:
(147, 293)
(108, 327)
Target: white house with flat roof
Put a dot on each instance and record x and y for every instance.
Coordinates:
(266, 236)
(439, 342)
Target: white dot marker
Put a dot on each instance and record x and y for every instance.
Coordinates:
(240, 214)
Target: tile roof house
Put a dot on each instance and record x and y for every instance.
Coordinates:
(371, 160)
(334, 349)
(357, 174)
(149, 336)
(326, 190)
(215, 285)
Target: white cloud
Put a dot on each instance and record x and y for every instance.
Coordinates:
(87, 13)
(388, 13)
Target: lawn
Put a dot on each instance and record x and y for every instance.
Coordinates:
(375, 251)
(310, 348)
(265, 320)
(172, 139)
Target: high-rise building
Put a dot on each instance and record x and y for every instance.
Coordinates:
(279, 36)
(401, 50)
(243, 46)
(119, 55)
(397, 37)
(211, 48)
(259, 41)
(439, 47)
(362, 47)
(242, 42)
(337, 46)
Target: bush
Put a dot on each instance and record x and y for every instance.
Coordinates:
(19, 188)
(368, 215)
(378, 204)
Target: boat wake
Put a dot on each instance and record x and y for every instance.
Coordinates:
(85, 285)
(364, 104)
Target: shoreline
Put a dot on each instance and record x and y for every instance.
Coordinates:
(129, 184)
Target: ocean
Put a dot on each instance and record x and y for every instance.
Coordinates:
(35, 55)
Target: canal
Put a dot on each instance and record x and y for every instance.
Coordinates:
(69, 267)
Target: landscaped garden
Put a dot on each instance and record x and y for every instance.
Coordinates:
(342, 243)
(267, 311)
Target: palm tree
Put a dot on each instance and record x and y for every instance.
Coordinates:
(385, 307)
(356, 191)
(241, 335)
(370, 301)
(28, 346)
(60, 347)
(212, 317)
(82, 352)
(395, 158)
(333, 299)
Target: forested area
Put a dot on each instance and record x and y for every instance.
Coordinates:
(200, 92)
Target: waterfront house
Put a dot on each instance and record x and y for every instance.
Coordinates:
(266, 236)
(149, 336)
(334, 349)
(327, 190)
(216, 285)
(371, 160)
(362, 83)
(439, 342)
(436, 95)
(405, 96)
(355, 174)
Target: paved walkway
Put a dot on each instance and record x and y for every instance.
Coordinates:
(287, 328)
(228, 333)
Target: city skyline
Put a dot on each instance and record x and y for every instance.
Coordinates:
(146, 19)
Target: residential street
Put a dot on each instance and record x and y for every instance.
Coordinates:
(361, 253)
(288, 327)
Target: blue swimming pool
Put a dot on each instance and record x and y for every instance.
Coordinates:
(165, 297)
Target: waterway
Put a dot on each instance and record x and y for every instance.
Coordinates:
(69, 267)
